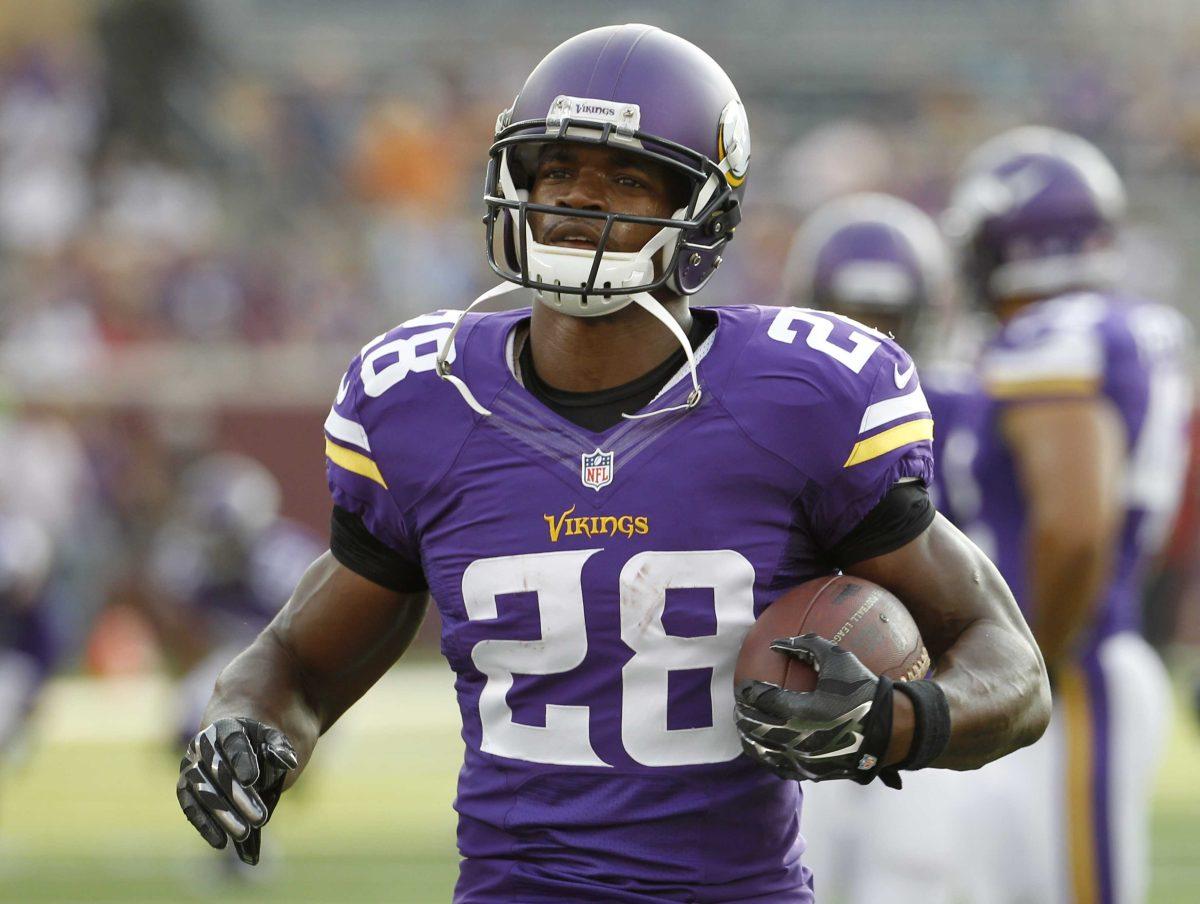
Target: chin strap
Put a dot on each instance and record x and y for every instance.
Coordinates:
(447, 350)
(654, 307)
(644, 300)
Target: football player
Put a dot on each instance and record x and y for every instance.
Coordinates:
(1077, 470)
(882, 261)
(877, 259)
(29, 641)
(219, 570)
(602, 493)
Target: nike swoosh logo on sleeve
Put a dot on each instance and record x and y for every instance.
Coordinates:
(903, 378)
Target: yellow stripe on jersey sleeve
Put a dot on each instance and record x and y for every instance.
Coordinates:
(885, 442)
(352, 461)
(1043, 388)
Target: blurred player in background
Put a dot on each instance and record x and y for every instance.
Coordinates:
(882, 261)
(877, 259)
(219, 570)
(49, 539)
(601, 493)
(28, 639)
(1077, 473)
(1172, 588)
(1173, 583)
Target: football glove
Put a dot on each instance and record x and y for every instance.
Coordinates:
(230, 780)
(839, 730)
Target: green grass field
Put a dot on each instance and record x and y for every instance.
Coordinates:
(90, 814)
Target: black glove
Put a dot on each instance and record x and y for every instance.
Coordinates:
(230, 780)
(840, 729)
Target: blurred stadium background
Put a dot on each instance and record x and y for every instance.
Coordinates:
(206, 207)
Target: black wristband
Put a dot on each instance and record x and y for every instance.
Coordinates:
(877, 733)
(931, 725)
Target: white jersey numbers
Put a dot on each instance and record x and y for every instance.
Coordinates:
(854, 347)
(384, 364)
(645, 580)
(556, 581)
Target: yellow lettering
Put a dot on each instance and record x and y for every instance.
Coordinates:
(556, 524)
(567, 525)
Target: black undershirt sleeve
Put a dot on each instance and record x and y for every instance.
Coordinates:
(900, 517)
(365, 554)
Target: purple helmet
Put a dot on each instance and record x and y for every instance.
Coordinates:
(868, 253)
(645, 91)
(1035, 213)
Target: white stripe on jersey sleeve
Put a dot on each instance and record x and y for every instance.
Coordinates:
(893, 409)
(346, 430)
(1069, 355)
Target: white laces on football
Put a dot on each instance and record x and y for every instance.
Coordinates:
(644, 300)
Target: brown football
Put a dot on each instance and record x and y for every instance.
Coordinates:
(855, 614)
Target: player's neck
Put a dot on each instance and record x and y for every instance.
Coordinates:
(587, 354)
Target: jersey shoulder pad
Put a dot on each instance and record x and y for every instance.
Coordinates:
(807, 371)
(1055, 348)
(394, 423)
(841, 402)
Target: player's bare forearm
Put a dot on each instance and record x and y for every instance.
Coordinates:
(262, 683)
(1068, 572)
(1070, 461)
(333, 640)
(988, 664)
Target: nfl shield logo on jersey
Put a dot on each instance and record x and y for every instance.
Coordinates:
(597, 469)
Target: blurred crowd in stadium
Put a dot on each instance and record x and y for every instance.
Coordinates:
(161, 195)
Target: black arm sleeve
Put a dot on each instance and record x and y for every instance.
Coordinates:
(900, 517)
(364, 554)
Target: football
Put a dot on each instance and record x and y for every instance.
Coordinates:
(859, 616)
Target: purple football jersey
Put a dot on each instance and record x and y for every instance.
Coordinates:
(964, 415)
(1132, 352)
(595, 588)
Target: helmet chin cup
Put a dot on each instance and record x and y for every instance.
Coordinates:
(571, 267)
(618, 274)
